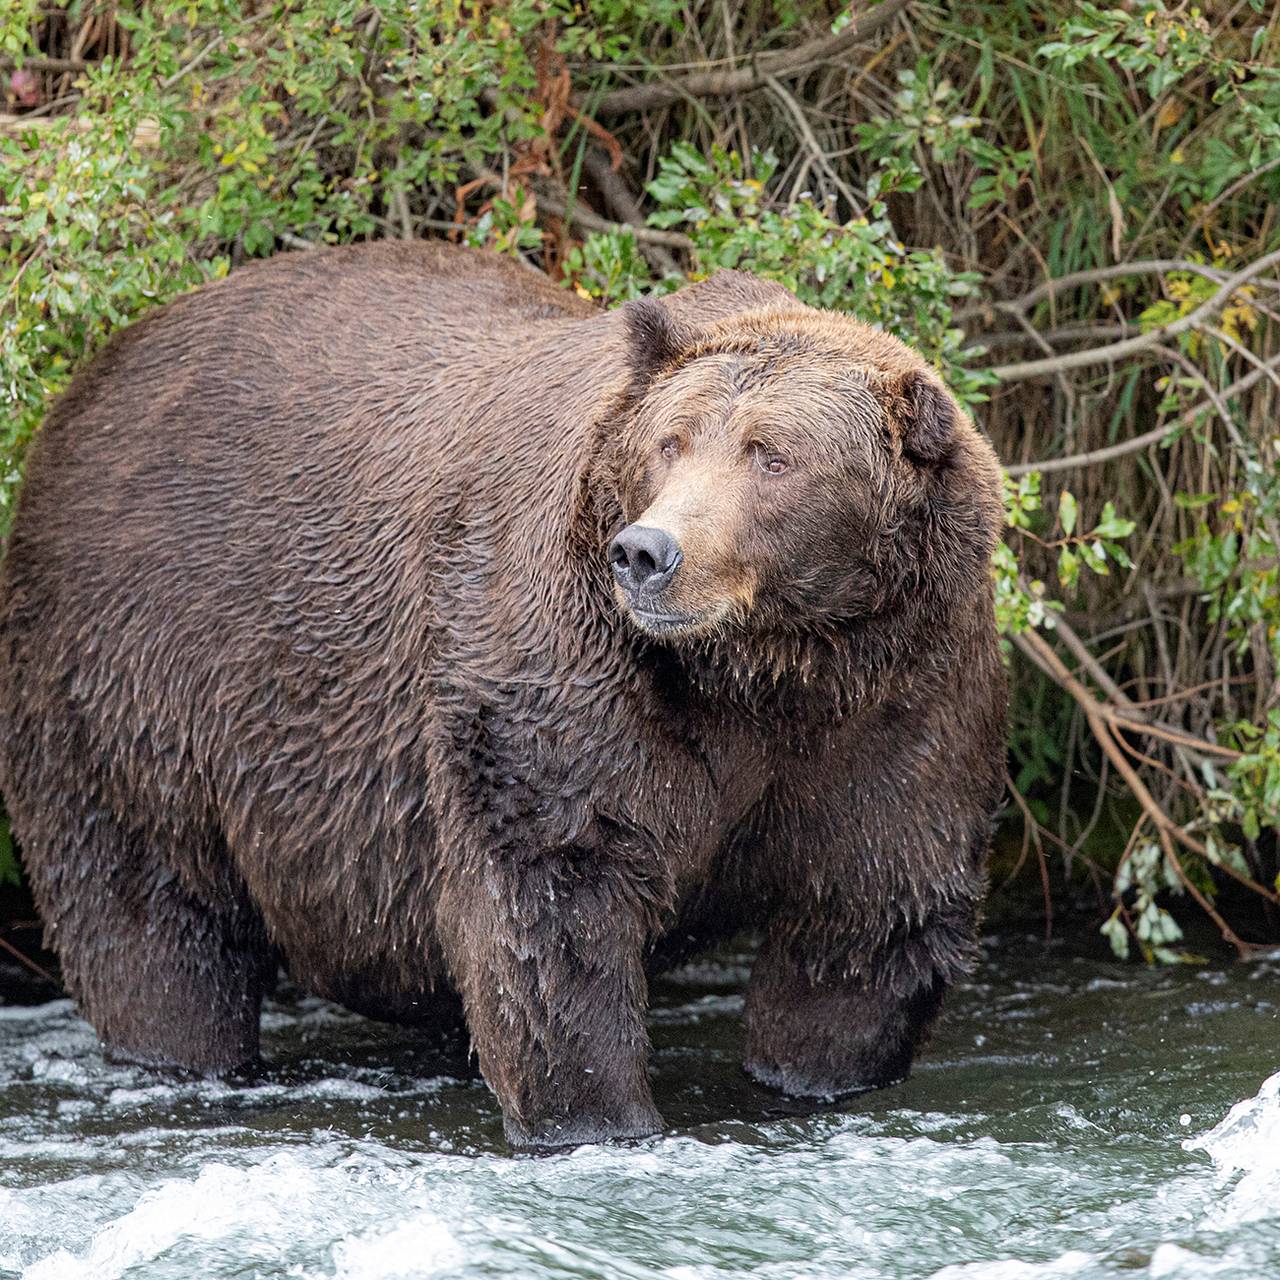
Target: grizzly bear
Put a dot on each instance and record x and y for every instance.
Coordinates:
(396, 617)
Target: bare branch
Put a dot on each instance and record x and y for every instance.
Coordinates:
(1147, 438)
(33, 62)
(1095, 275)
(617, 195)
(1142, 342)
(27, 961)
(1101, 723)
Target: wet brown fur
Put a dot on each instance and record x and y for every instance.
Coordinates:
(309, 654)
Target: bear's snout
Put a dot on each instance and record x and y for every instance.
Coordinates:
(644, 561)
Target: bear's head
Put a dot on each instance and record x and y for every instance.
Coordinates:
(789, 470)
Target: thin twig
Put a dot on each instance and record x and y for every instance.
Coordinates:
(1031, 834)
(194, 63)
(26, 960)
(1202, 217)
(811, 143)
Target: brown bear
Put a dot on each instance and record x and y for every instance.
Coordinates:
(392, 615)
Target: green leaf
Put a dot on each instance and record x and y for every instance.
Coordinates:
(1067, 511)
(1111, 525)
(1068, 568)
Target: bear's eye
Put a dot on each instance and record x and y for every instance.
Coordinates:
(670, 448)
(771, 463)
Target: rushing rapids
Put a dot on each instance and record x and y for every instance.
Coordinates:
(1072, 1119)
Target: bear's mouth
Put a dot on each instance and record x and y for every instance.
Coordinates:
(670, 625)
(659, 623)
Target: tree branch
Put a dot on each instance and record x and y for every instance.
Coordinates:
(1147, 438)
(34, 62)
(1101, 724)
(1142, 342)
(624, 206)
(1095, 275)
(784, 62)
(806, 136)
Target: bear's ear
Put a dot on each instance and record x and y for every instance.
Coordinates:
(929, 419)
(655, 338)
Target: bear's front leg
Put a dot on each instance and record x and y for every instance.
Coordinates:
(871, 875)
(822, 1024)
(546, 952)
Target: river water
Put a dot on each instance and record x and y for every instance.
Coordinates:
(1072, 1118)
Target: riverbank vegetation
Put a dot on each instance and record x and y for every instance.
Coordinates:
(1069, 207)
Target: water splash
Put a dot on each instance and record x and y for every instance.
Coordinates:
(1246, 1146)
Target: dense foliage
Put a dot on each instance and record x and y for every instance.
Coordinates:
(1069, 207)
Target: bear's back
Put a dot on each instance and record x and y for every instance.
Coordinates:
(237, 501)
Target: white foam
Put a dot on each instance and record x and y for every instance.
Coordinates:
(40, 1013)
(272, 1204)
(1246, 1144)
(1173, 1262)
(1071, 1264)
(420, 1247)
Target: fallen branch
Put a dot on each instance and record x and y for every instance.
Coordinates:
(617, 195)
(778, 65)
(33, 62)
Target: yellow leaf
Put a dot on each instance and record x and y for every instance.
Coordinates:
(1176, 156)
(1169, 114)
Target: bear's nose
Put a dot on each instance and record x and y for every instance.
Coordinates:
(644, 559)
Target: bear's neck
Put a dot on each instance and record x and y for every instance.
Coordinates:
(829, 675)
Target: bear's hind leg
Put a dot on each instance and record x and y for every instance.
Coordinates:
(166, 979)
